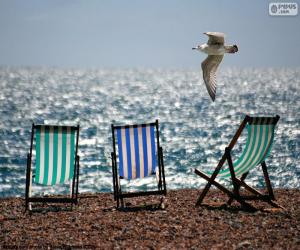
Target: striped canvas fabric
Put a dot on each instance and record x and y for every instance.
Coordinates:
(258, 145)
(55, 154)
(137, 151)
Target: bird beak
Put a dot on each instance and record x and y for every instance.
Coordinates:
(194, 48)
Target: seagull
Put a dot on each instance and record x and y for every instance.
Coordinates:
(215, 49)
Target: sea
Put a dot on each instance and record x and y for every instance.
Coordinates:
(194, 131)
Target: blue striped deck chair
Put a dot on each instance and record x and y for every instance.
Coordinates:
(258, 146)
(136, 154)
(56, 162)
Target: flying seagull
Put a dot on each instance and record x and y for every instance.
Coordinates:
(215, 49)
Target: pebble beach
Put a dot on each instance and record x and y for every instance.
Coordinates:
(95, 223)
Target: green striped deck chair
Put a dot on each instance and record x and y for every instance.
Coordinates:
(56, 161)
(258, 145)
(136, 154)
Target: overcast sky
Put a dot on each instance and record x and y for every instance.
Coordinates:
(142, 33)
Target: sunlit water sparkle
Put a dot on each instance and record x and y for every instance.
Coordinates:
(194, 131)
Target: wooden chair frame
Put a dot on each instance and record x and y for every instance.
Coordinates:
(238, 182)
(29, 175)
(161, 187)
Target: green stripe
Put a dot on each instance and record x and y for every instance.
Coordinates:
(246, 148)
(241, 158)
(271, 144)
(46, 156)
(63, 154)
(72, 153)
(37, 149)
(252, 162)
(261, 149)
(250, 150)
(55, 152)
(250, 158)
(264, 148)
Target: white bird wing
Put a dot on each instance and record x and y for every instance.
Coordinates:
(215, 38)
(209, 67)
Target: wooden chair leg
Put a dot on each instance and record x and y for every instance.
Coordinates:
(207, 187)
(120, 199)
(203, 194)
(118, 204)
(225, 190)
(212, 178)
(235, 182)
(77, 178)
(163, 170)
(28, 184)
(239, 186)
(267, 180)
(236, 186)
(259, 194)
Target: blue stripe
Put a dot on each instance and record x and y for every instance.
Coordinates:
(137, 154)
(153, 148)
(121, 168)
(129, 165)
(144, 134)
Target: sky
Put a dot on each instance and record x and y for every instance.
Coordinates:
(143, 33)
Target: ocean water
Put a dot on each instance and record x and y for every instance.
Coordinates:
(194, 131)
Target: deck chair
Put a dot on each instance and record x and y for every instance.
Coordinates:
(258, 146)
(136, 154)
(56, 162)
